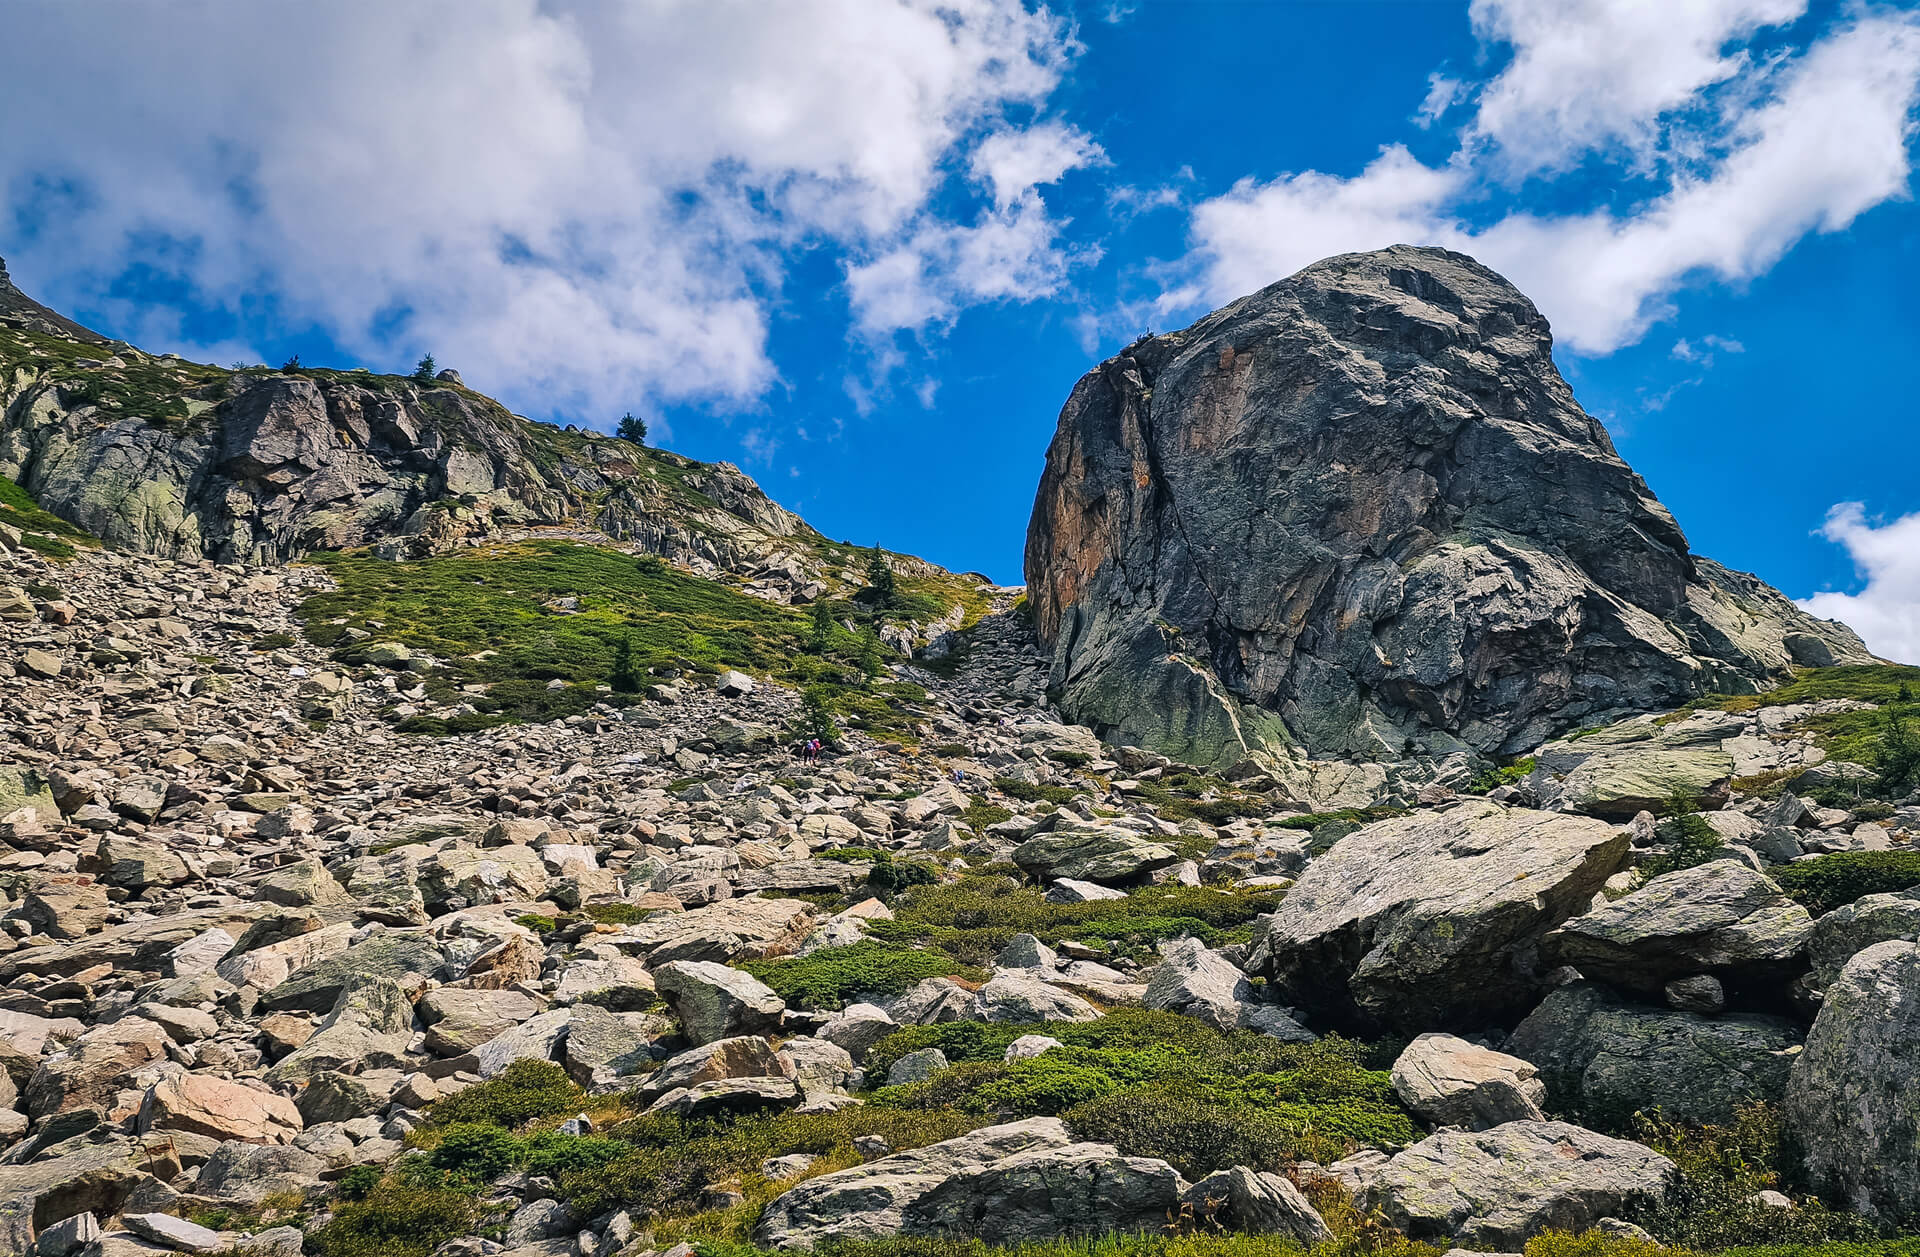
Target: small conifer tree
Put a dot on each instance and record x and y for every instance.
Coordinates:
(424, 369)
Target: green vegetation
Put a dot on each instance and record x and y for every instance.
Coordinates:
(631, 428)
(1826, 882)
(495, 618)
(526, 1089)
(1721, 1167)
(1491, 779)
(1690, 840)
(423, 370)
(882, 586)
(1347, 816)
(973, 918)
(1166, 1086)
(1028, 792)
(40, 530)
(1857, 736)
(1182, 795)
(833, 977)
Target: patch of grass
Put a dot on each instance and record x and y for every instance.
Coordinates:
(973, 918)
(1857, 736)
(1197, 1098)
(833, 977)
(493, 614)
(40, 530)
(617, 913)
(1028, 792)
(1826, 882)
(397, 1218)
(1491, 779)
(1181, 796)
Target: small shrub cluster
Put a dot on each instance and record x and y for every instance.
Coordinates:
(1826, 882)
(834, 977)
(1491, 779)
(972, 918)
(524, 1090)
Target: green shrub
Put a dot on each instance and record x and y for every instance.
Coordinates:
(358, 1181)
(831, 977)
(523, 1091)
(553, 1154)
(1826, 882)
(475, 1150)
(1690, 840)
(396, 1219)
(1491, 779)
(1720, 1169)
(1027, 792)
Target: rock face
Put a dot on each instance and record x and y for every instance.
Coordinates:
(1430, 920)
(1361, 509)
(1853, 1100)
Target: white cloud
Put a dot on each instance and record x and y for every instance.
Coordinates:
(1015, 162)
(1587, 74)
(1443, 93)
(1887, 612)
(1828, 141)
(592, 201)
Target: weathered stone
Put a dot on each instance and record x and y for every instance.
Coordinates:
(1494, 1190)
(1846, 931)
(1720, 917)
(1451, 1082)
(1241, 1199)
(1049, 1193)
(1853, 1102)
(1607, 1058)
(1429, 920)
(1314, 519)
(206, 1105)
(714, 1001)
(1100, 854)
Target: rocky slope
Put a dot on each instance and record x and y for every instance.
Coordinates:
(257, 466)
(1359, 513)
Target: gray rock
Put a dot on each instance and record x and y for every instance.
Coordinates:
(1701, 993)
(1852, 928)
(175, 1233)
(1028, 1001)
(1720, 918)
(317, 987)
(1494, 1190)
(1103, 854)
(858, 1027)
(1318, 518)
(1853, 1102)
(745, 1056)
(714, 1001)
(1450, 1082)
(540, 1220)
(1070, 890)
(1241, 1199)
(1049, 1193)
(537, 1038)
(1602, 1056)
(248, 1173)
(1429, 920)
(66, 1235)
(870, 1201)
(916, 1067)
(370, 1027)
(730, 1097)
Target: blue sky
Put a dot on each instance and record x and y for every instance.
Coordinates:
(863, 248)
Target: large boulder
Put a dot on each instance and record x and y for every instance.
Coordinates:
(1192, 978)
(1241, 1199)
(1430, 920)
(715, 1002)
(1720, 917)
(204, 1105)
(1050, 1193)
(1638, 765)
(370, 1027)
(1606, 1058)
(102, 1062)
(1360, 508)
(1840, 935)
(1853, 1102)
(871, 1201)
(1103, 854)
(1448, 1081)
(399, 955)
(1493, 1190)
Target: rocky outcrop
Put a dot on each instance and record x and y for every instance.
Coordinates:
(1853, 1101)
(1360, 511)
(1431, 920)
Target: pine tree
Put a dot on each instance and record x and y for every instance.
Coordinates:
(880, 579)
(631, 428)
(816, 715)
(424, 369)
(1899, 756)
(822, 635)
(624, 679)
(870, 658)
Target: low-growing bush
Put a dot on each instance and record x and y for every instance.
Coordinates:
(526, 1089)
(834, 976)
(1826, 882)
(396, 1219)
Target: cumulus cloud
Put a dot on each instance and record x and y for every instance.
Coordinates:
(586, 199)
(1886, 613)
(1824, 138)
(1589, 74)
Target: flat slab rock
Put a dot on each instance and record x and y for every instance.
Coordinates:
(1428, 921)
(1493, 1190)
